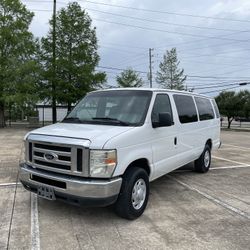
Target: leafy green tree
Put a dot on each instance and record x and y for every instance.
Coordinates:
(230, 105)
(244, 96)
(129, 78)
(18, 64)
(170, 76)
(247, 106)
(76, 56)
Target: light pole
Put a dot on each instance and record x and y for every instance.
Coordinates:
(54, 116)
(150, 67)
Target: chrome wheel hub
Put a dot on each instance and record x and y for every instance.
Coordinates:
(207, 159)
(139, 194)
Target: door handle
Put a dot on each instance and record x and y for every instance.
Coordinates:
(175, 141)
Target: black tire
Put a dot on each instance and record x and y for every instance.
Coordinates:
(124, 205)
(201, 165)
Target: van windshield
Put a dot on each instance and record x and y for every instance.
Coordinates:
(115, 107)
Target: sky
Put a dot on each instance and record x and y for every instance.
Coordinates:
(212, 37)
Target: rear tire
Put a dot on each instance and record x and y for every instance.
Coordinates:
(133, 197)
(202, 164)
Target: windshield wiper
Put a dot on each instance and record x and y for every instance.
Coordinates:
(108, 119)
(112, 120)
(71, 119)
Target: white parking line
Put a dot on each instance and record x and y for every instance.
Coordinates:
(231, 145)
(224, 159)
(234, 149)
(35, 237)
(213, 199)
(231, 167)
(9, 184)
(217, 168)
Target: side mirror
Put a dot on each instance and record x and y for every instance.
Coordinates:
(165, 120)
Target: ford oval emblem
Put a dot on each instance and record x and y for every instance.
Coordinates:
(50, 156)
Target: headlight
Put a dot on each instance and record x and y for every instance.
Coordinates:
(102, 163)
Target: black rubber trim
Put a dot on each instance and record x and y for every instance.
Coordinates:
(50, 182)
(30, 151)
(79, 160)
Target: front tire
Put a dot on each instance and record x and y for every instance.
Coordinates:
(133, 197)
(202, 164)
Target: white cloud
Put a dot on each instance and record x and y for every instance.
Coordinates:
(190, 48)
(240, 8)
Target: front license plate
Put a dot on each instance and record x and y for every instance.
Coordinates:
(46, 192)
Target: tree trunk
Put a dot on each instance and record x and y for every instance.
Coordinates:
(69, 106)
(70, 76)
(229, 122)
(54, 112)
(2, 121)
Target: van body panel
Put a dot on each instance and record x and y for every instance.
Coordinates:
(164, 148)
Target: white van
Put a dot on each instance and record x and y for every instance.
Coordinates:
(115, 142)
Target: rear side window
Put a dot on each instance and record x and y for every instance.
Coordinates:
(185, 108)
(217, 112)
(205, 108)
(161, 105)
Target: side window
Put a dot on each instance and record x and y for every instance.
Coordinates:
(185, 108)
(205, 108)
(161, 105)
(217, 112)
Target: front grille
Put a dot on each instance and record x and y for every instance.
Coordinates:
(52, 147)
(64, 158)
(52, 165)
(57, 157)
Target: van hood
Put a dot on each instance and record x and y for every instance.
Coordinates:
(98, 135)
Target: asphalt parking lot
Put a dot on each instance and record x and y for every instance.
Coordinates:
(186, 210)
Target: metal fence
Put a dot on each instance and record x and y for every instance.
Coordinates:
(41, 116)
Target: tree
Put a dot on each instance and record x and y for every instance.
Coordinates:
(247, 107)
(245, 101)
(76, 56)
(129, 78)
(230, 104)
(170, 76)
(18, 65)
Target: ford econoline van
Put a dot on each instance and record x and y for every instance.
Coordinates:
(116, 141)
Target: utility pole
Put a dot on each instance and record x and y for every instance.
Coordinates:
(150, 67)
(54, 116)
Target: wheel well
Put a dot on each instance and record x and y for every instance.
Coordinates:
(209, 143)
(142, 163)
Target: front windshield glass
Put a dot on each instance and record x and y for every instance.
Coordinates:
(115, 107)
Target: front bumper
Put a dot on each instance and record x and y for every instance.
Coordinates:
(72, 189)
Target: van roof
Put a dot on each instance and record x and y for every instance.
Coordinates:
(158, 91)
